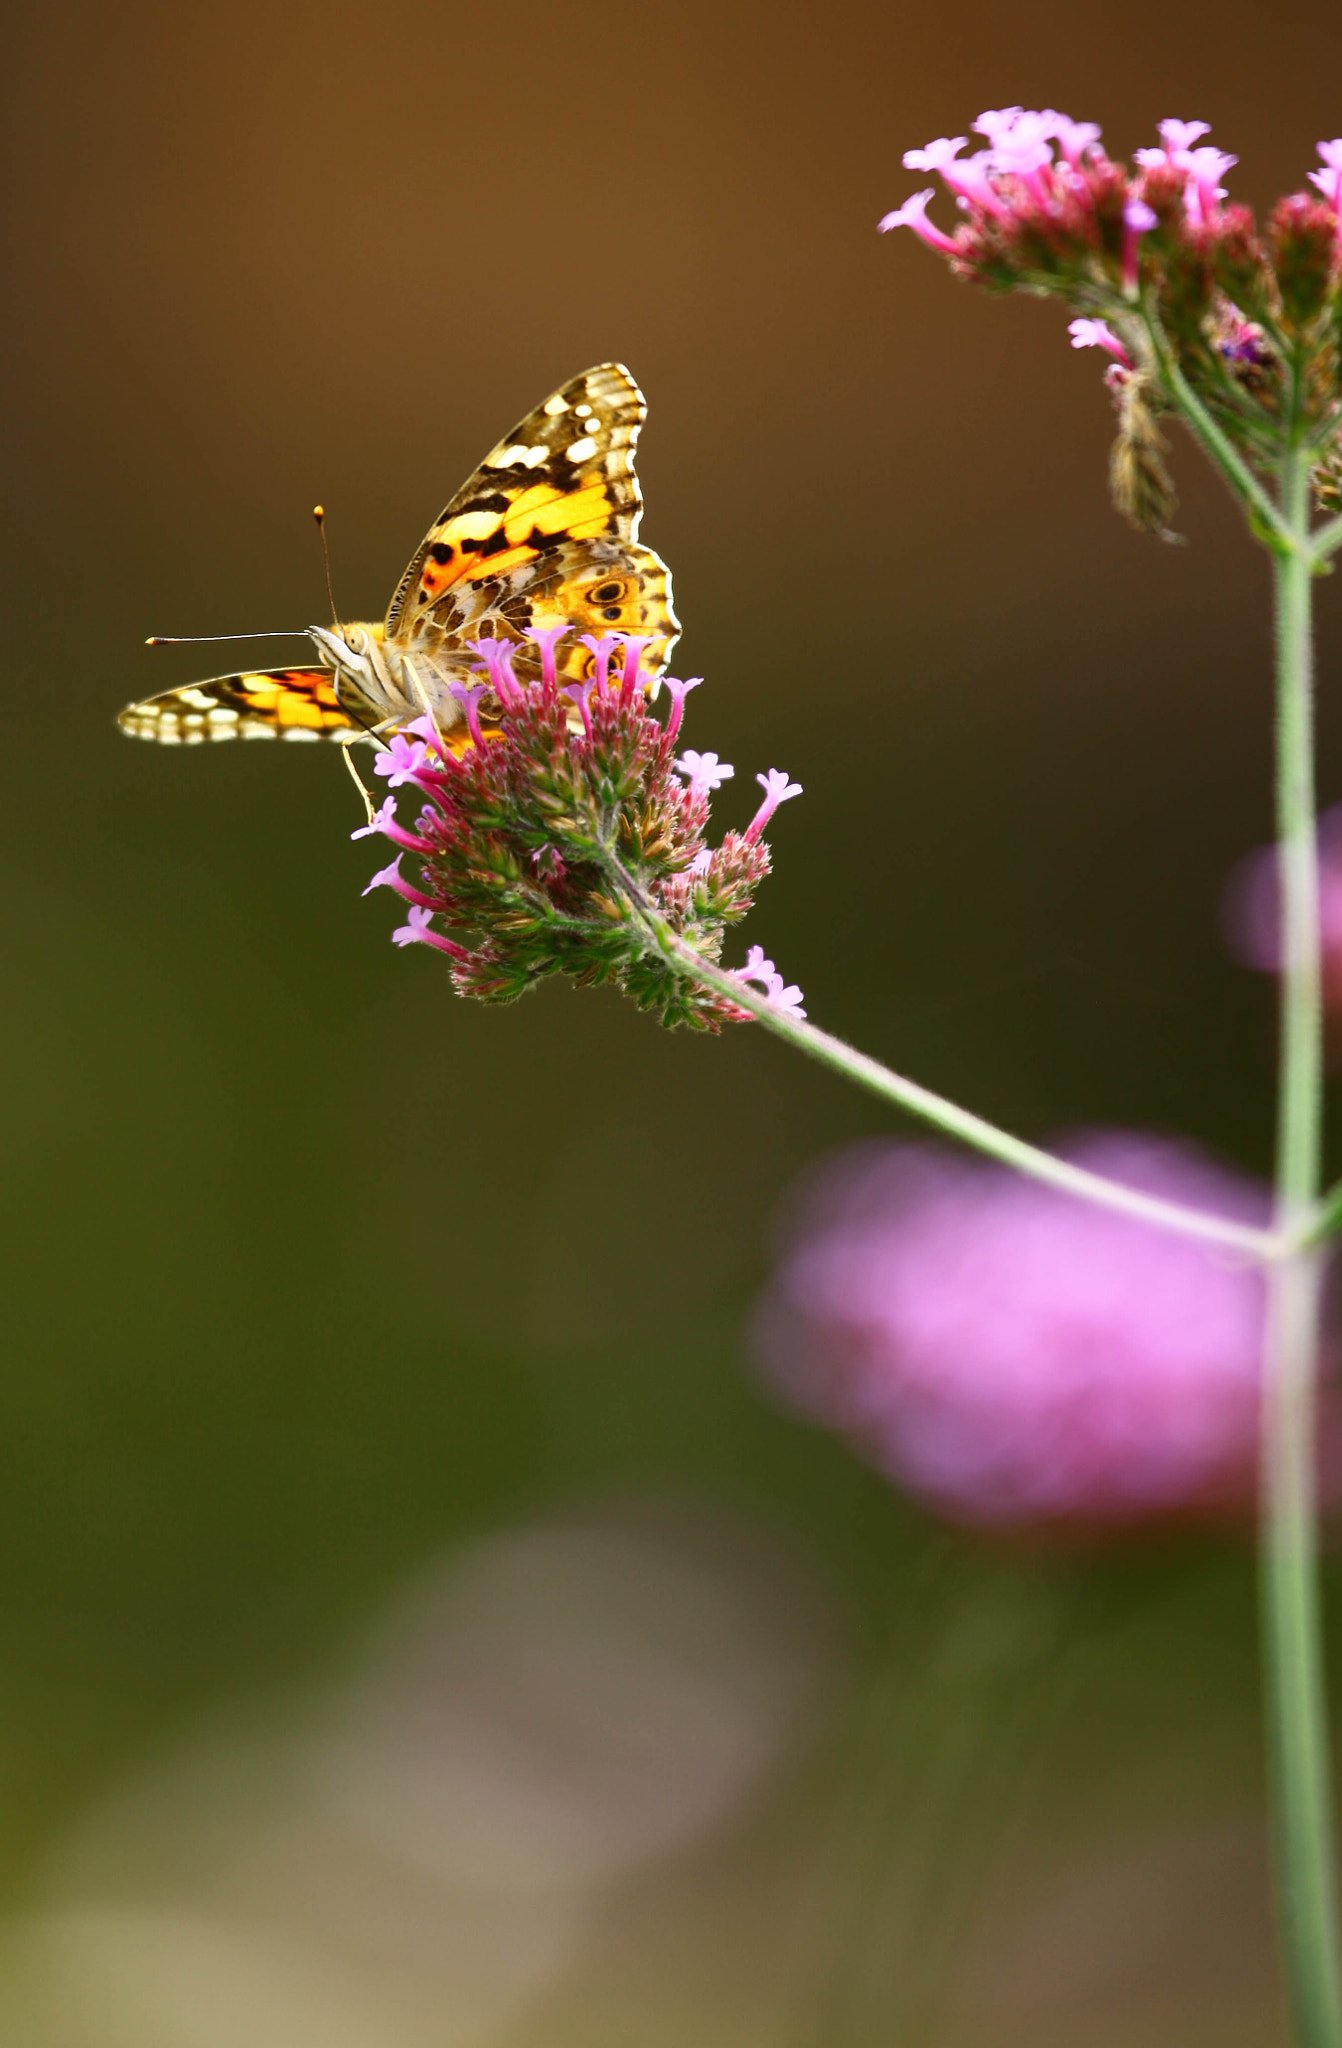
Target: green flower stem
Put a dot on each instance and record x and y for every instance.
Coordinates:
(959, 1123)
(1279, 534)
(1292, 1623)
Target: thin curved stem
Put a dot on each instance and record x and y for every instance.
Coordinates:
(960, 1123)
(1326, 540)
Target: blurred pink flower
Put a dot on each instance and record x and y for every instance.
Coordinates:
(1252, 909)
(1015, 1356)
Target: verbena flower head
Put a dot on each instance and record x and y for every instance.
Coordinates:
(560, 838)
(1163, 273)
(1015, 1356)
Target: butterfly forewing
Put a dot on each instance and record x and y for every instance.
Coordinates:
(259, 704)
(565, 474)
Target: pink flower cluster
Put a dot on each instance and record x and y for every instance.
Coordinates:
(1014, 193)
(561, 839)
(1160, 267)
(1026, 206)
(1014, 1356)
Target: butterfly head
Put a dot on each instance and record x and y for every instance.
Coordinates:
(346, 649)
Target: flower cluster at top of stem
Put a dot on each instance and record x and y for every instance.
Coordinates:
(561, 839)
(1166, 277)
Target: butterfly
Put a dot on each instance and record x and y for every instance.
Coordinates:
(545, 534)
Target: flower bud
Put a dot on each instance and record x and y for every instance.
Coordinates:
(1302, 236)
(1238, 263)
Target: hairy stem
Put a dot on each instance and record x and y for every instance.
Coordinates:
(1280, 535)
(1292, 1623)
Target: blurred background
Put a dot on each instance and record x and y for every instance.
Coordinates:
(418, 1622)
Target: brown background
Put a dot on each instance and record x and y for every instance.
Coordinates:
(312, 1267)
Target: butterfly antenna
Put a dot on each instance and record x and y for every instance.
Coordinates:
(319, 514)
(199, 639)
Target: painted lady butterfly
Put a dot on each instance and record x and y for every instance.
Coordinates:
(544, 534)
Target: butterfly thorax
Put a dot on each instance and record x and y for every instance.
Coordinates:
(385, 681)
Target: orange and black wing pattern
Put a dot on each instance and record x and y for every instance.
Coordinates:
(564, 475)
(260, 704)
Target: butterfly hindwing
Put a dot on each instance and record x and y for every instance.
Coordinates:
(564, 475)
(591, 587)
(260, 704)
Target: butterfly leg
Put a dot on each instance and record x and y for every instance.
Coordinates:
(345, 746)
(421, 697)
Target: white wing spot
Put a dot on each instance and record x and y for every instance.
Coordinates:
(519, 456)
(558, 404)
(582, 411)
(580, 450)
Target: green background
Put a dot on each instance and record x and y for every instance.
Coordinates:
(314, 1271)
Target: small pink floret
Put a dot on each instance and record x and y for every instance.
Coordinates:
(1329, 181)
(704, 772)
(997, 121)
(1076, 139)
(1179, 136)
(497, 656)
(778, 995)
(580, 692)
(386, 878)
(913, 214)
(1099, 334)
(547, 638)
(678, 691)
(777, 790)
(1138, 220)
(417, 924)
(937, 154)
(1206, 168)
(634, 644)
(1024, 147)
(469, 700)
(602, 645)
(426, 726)
(401, 761)
(383, 816)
